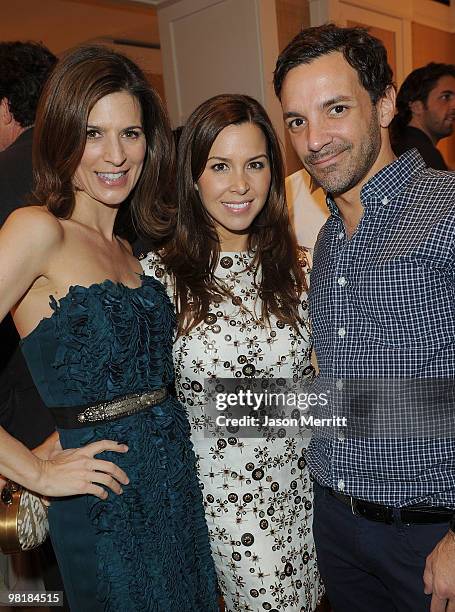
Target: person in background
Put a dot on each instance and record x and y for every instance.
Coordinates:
(307, 209)
(425, 112)
(97, 337)
(24, 68)
(237, 278)
(382, 312)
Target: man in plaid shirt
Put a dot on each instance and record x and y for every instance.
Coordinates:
(382, 302)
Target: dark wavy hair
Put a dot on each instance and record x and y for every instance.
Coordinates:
(193, 252)
(24, 68)
(365, 53)
(416, 86)
(81, 78)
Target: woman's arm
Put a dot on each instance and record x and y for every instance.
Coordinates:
(70, 472)
(29, 240)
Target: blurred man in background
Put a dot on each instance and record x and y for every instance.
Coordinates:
(425, 112)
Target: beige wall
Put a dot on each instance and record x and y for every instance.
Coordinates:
(211, 47)
(62, 24)
(432, 45)
(292, 16)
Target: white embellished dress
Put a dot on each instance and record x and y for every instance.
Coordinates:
(257, 491)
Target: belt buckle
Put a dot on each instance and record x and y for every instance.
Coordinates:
(353, 510)
(382, 515)
(378, 515)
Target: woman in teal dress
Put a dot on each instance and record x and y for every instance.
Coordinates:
(128, 529)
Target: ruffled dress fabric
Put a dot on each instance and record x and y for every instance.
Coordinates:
(147, 549)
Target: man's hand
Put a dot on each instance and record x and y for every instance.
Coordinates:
(2, 484)
(439, 575)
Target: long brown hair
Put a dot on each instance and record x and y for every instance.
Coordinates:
(81, 78)
(193, 252)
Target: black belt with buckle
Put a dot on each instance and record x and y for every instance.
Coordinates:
(75, 417)
(413, 515)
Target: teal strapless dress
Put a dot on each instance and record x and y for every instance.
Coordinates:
(147, 549)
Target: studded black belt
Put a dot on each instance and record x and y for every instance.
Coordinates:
(75, 417)
(412, 515)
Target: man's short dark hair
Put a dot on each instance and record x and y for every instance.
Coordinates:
(417, 86)
(24, 68)
(365, 53)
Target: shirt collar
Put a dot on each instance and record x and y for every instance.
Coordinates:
(388, 182)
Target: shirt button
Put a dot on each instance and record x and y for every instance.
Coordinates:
(385, 200)
(341, 236)
(339, 384)
(342, 332)
(342, 281)
(341, 485)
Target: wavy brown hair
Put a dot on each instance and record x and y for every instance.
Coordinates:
(81, 78)
(363, 52)
(193, 252)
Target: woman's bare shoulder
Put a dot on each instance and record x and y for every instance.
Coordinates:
(35, 224)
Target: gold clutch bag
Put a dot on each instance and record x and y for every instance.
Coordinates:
(23, 519)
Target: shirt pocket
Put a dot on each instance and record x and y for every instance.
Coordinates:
(405, 303)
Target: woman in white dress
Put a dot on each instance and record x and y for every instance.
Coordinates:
(237, 278)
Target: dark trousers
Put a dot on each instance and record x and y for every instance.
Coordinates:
(368, 566)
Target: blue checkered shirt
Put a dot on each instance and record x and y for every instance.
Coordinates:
(383, 307)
